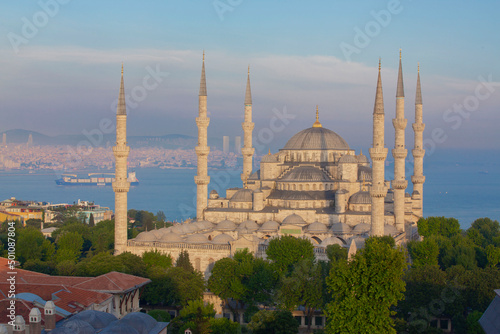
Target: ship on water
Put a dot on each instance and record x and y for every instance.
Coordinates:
(94, 179)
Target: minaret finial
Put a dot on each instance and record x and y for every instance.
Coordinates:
(317, 124)
(379, 64)
(418, 67)
(249, 69)
(203, 55)
(122, 68)
(399, 53)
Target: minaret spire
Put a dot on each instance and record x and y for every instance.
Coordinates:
(399, 153)
(247, 150)
(202, 121)
(418, 178)
(121, 184)
(378, 154)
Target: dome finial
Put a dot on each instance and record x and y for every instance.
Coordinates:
(269, 153)
(317, 124)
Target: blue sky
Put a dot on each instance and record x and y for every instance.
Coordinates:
(64, 76)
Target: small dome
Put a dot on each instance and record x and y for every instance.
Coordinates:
(390, 230)
(222, 239)
(171, 237)
(242, 195)
(197, 239)
(249, 225)
(269, 158)
(317, 227)
(316, 139)
(340, 228)
(332, 241)
(348, 159)
(293, 219)
(141, 322)
(96, 319)
(75, 326)
(362, 159)
(189, 227)
(306, 173)
(270, 226)
(164, 230)
(207, 225)
(361, 197)
(226, 225)
(361, 228)
(156, 233)
(177, 229)
(146, 237)
(214, 194)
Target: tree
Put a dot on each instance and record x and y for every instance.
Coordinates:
(285, 251)
(91, 220)
(134, 265)
(223, 326)
(273, 322)
(102, 236)
(365, 289)
(485, 231)
(336, 253)
(424, 252)
(446, 227)
(160, 315)
(160, 216)
(183, 261)
(69, 246)
(302, 287)
(156, 258)
(99, 264)
(29, 244)
(493, 255)
(196, 316)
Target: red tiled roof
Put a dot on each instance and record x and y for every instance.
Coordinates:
(114, 282)
(23, 308)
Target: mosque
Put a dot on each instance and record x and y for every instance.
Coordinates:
(316, 187)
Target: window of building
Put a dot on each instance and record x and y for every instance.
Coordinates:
(318, 321)
(299, 319)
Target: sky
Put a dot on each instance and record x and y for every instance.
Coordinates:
(60, 63)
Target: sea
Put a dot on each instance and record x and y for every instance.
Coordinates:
(464, 184)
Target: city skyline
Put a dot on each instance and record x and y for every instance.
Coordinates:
(299, 56)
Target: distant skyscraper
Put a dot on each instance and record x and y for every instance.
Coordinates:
(225, 144)
(30, 140)
(4, 139)
(237, 145)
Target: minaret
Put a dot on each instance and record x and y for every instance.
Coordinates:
(378, 153)
(202, 179)
(399, 153)
(247, 151)
(418, 152)
(121, 185)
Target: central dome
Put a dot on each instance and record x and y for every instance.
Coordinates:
(316, 138)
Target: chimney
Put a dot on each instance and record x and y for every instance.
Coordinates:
(50, 315)
(35, 321)
(3, 329)
(19, 325)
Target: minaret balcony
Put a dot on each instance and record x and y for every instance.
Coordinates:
(399, 153)
(378, 153)
(418, 152)
(399, 123)
(202, 122)
(378, 191)
(121, 186)
(202, 180)
(399, 184)
(418, 127)
(418, 179)
(248, 126)
(202, 150)
(247, 150)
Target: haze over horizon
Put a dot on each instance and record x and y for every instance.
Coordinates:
(61, 63)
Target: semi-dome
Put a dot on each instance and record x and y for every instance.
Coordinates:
(361, 197)
(348, 159)
(269, 158)
(226, 225)
(145, 236)
(270, 226)
(242, 195)
(171, 237)
(197, 239)
(340, 228)
(331, 241)
(249, 225)
(317, 227)
(361, 228)
(306, 173)
(222, 239)
(316, 138)
(293, 219)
